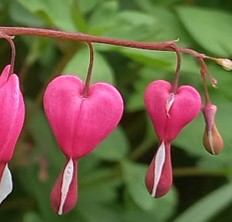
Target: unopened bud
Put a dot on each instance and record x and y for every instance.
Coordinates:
(225, 63)
(212, 139)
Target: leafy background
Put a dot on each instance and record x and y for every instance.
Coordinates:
(111, 179)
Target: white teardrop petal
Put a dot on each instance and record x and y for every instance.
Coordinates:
(159, 163)
(6, 184)
(66, 181)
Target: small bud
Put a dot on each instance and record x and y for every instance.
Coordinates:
(212, 139)
(225, 63)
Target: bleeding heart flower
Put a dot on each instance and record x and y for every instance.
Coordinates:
(11, 122)
(79, 124)
(169, 113)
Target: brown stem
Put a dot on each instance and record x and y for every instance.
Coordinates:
(13, 51)
(89, 72)
(177, 72)
(204, 73)
(77, 36)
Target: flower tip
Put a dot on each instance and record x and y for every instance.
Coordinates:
(224, 63)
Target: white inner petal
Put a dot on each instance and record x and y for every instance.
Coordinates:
(6, 184)
(169, 103)
(66, 181)
(159, 162)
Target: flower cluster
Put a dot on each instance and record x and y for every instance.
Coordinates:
(80, 122)
(81, 116)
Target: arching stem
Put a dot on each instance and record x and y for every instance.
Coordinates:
(177, 72)
(89, 71)
(204, 73)
(78, 36)
(13, 51)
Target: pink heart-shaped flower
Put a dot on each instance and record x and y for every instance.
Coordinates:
(12, 115)
(170, 112)
(81, 123)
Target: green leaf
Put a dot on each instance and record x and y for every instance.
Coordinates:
(22, 16)
(204, 24)
(51, 12)
(114, 147)
(100, 213)
(96, 182)
(98, 22)
(126, 24)
(131, 25)
(88, 5)
(41, 132)
(133, 175)
(32, 217)
(209, 206)
(78, 65)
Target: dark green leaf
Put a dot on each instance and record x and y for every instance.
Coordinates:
(204, 24)
(78, 65)
(209, 206)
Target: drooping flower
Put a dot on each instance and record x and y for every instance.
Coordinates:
(11, 122)
(212, 139)
(79, 124)
(169, 113)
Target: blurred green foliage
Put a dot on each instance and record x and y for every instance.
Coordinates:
(111, 186)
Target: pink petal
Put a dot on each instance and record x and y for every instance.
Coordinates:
(159, 174)
(64, 192)
(209, 112)
(12, 113)
(80, 124)
(170, 112)
(5, 75)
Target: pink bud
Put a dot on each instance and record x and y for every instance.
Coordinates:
(209, 112)
(212, 139)
(78, 123)
(170, 112)
(159, 174)
(11, 122)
